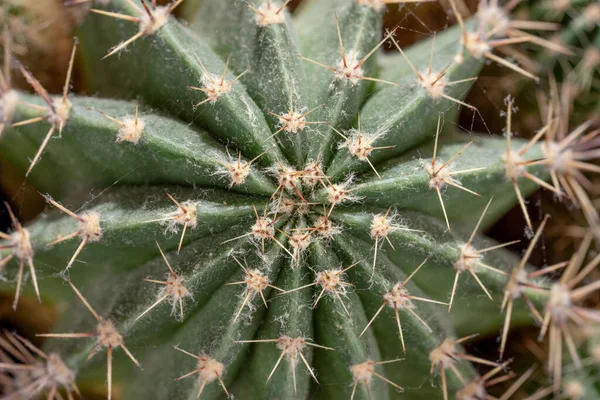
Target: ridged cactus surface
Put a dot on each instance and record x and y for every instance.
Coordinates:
(270, 207)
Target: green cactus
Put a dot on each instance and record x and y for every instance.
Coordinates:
(284, 212)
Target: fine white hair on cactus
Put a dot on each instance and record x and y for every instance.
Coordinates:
(331, 282)
(398, 298)
(208, 368)
(88, 228)
(269, 12)
(433, 82)
(313, 174)
(381, 226)
(150, 20)
(364, 372)
(442, 175)
(349, 67)
(325, 228)
(292, 348)
(288, 180)
(360, 144)
(340, 193)
(186, 215)
(214, 86)
(19, 243)
(237, 171)
(255, 281)
(470, 257)
(130, 128)
(107, 336)
(262, 230)
(172, 288)
(58, 110)
(299, 241)
(294, 121)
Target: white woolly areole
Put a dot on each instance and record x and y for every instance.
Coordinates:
(376, 5)
(312, 175)
(325, 228)
(350, 69)
(432, 83)
(474, 390)
(108, 336)
(512, 169)
(60, 116)
(363, 372)
(397, 298)
(292, 122)
(270, 13)
(263, 228)
(291, 346)
(559, 302)
(256, 281)
(438, 177)
(331, 281)
(516, 283)
(288, 178)
(300, 241)
(214, 88)
(443, 355)
(237, 172)
(187, 214)
(130, 130)
(8, 105)
(20, 242)
(475, 44)
(493, 18)
(89, 227)
(359, 145)
(339, 193)
(290, 206)
(467, 258)
(559, 158)
(175, 289)
(381, 226)
(160, 16)
(210, 369)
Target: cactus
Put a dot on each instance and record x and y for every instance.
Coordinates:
(278, 210)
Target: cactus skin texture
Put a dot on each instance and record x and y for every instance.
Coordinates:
(285, 226)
